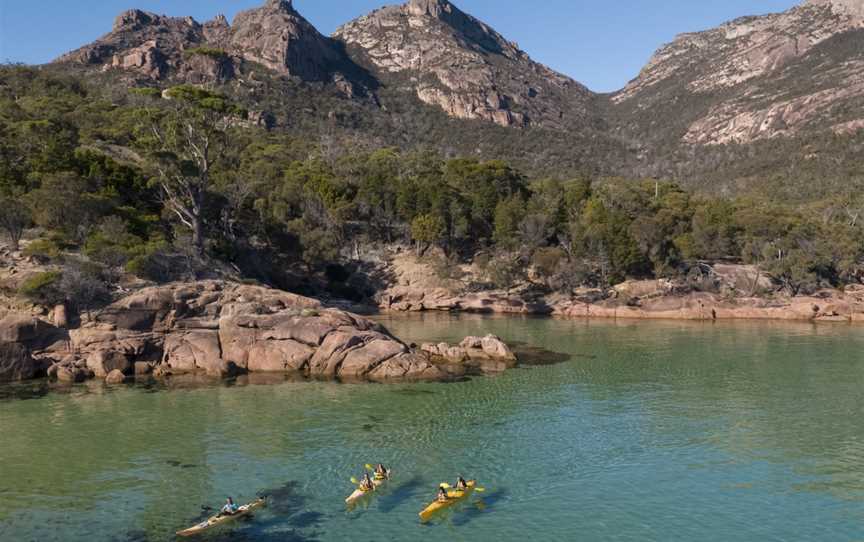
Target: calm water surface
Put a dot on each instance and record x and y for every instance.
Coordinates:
(642, 431)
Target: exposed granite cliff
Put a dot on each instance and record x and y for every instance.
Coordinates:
(221, 329)
(458, 63)
(150, 47)
(755, 77)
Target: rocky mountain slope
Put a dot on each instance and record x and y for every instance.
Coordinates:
(754, 78)
(148, 47)
(448, 58)
(756, 95)
(453, 61)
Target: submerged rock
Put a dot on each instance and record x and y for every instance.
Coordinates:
(489, 354)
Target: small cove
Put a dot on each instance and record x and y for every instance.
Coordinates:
(631, 431)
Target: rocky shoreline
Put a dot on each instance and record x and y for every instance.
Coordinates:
(826, 306)
(223, 329)
(219, 329)
(415, 289)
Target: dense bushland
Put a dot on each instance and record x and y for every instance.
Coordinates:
(164, 185)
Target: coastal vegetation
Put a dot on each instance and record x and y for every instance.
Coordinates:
(165, 184)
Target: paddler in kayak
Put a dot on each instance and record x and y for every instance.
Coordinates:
(366, 483)
(461, 484)
(381, 472)
(442, 494)
(229, 509)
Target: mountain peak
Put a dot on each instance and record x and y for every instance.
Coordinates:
(279, 5)
(432, 8)
(134, 18)
(463, 66)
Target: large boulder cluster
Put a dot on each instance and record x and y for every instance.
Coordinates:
(218, 328)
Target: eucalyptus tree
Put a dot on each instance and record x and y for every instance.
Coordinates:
(185, 139)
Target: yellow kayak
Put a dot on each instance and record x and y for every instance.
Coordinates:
(453, 496)
(219, 519)
(377, 481)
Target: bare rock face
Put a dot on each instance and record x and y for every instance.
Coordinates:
(276, 36)
(457, 63)
(16, 362)
(104, 363)
(216, 328)
(22, 338)
(755, 77)
(147, 47)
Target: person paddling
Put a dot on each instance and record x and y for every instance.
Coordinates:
(461, 484)
(381, 472)
(442, 494)
(229, 509)
(366, 483)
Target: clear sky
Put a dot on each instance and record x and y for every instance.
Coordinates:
(600, 43)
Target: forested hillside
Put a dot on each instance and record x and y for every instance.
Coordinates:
(181, 184)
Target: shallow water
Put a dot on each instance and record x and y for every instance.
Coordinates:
(648, 431)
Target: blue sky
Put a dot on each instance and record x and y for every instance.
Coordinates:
(602, 44)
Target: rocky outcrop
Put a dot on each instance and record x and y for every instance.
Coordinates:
(828, 307)
(488, 348)
(723, 291)
(150, 47)
(453, 61)
(214, 328)
(204, 326)
(416, 288)
(144, 44)
(278, 37)
(755, 77)
(418, 299)
(21, 337)
(16, 362)
(489, 354)
(745, 48)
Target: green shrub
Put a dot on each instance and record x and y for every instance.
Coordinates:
(211, 52)
(43, 250)
(112, 244)
(42, 288)
(148, 261)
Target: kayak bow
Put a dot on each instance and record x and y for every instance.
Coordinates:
(220, 519)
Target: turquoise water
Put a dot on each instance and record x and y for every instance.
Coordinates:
(641, 431)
